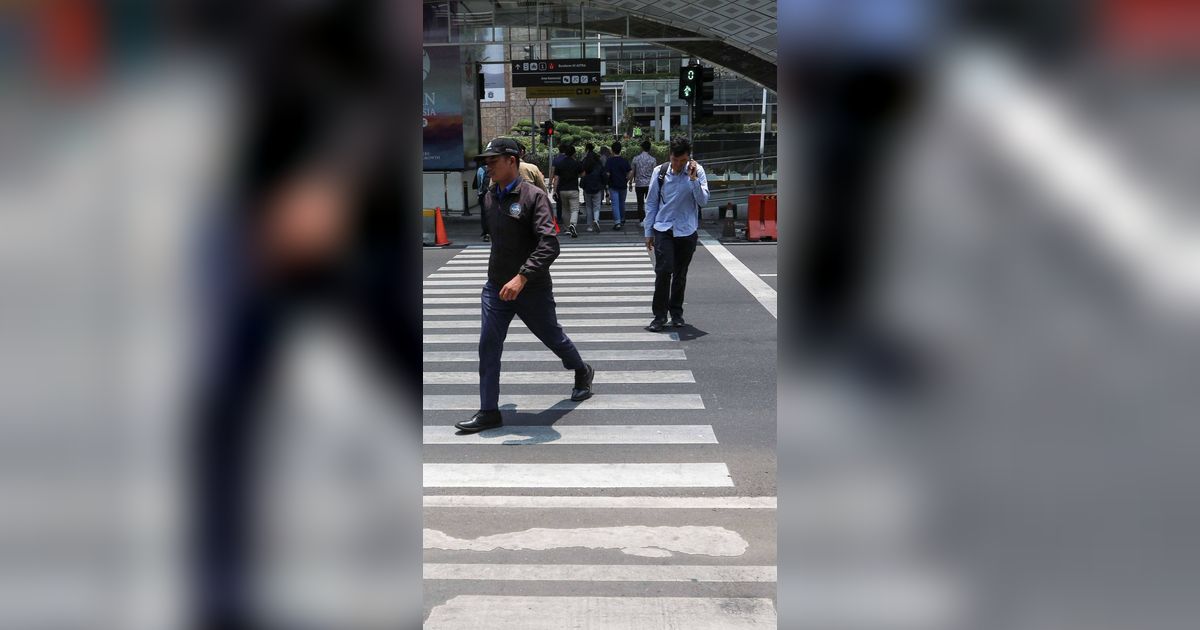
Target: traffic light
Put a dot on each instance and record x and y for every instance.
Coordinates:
(705, 93)
(689, 82)
(548, 130)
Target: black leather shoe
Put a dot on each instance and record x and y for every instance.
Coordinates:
(481, 421)
(656, 325)
(583, 385)
(677, 322)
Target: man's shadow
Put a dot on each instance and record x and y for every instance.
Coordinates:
(518, 425)
(687, 333)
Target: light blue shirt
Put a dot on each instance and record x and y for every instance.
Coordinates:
(681, 200)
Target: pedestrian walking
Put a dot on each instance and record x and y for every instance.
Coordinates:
(524, 245)
(604, 155)
(678, 190)
(565, 184)
(530, 171)
(643, 169)
(481, 186)
(592, 184)
(617, 170)
(554, 197)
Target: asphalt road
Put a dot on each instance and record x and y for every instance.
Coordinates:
(642, 550)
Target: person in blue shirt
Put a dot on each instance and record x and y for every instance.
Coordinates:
(616, 171)
(678, 190)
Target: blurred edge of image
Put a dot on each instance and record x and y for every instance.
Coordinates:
(989, 318)
(201, 200)
(989, 315)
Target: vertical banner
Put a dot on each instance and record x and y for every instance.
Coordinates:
(442, 100)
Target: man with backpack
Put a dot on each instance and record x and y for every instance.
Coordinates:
(616, 170)
(678, 190)
(592, 184)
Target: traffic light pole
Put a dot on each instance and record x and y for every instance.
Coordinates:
(691, 120)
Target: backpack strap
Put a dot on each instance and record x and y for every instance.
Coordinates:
(662, 177)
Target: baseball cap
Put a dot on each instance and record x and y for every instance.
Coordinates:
(500, 146)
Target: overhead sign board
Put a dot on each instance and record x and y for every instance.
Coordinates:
(556, 73)
(563, 92)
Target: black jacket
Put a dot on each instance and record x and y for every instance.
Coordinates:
(524, 235)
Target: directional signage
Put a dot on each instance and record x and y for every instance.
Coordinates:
(563, 92)
(556, 73)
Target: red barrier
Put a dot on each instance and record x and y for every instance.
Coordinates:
(761, 217)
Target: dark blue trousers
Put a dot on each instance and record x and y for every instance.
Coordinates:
(535, 306)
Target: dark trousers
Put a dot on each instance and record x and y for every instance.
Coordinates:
(640, 192)
(856, 112)
(248, 321)
(672, 256)
(535, 306)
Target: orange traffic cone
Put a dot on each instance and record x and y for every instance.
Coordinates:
(441, 240)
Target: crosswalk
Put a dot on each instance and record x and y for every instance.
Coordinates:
(619, 512)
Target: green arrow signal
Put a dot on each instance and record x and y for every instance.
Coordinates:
(687, 90)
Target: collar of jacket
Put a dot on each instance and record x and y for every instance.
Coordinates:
(516, 183)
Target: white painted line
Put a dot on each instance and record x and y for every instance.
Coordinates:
(641, 299)
(1083, 174)
(562, 261)
(533, 402)
(565, 323)
(761, 291)
(557, 281)
(601, 573)
(768, 275)
(554, 273)
(472, 356)
(562, 377)
(585, 337)
(557, 269)
(599, 503)
(557, 290)
(571, 435)
(459, 475)
(663, 541)
(562, 310)
(511, 612)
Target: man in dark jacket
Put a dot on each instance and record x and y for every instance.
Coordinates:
(524, 245)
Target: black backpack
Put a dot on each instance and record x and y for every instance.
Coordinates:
(593, 182)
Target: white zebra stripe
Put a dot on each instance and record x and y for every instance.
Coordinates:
(460, 475)
(557, 290)
(644, 299)
(565, 323)
(585, 337)
(538, 403)
(562, 310)
(472, 356)
(512, 612)
(560, 377)
(598, 503)
(571, 435)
